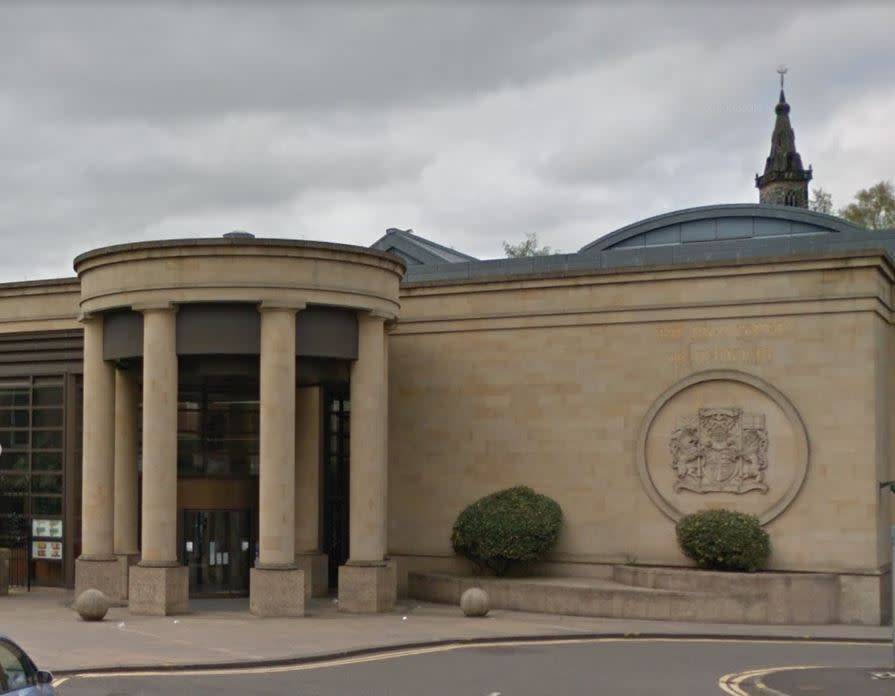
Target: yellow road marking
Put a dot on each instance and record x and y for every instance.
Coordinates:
(728, 682)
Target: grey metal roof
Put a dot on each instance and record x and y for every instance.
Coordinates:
(710, 234)
(738, 221)
(416, 250)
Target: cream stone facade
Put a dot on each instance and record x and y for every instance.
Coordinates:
(550, 383)
(282, 419)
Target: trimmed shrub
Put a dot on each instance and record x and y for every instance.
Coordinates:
(724, 540)
(506, 527)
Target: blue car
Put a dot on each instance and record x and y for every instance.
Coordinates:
(19, 676)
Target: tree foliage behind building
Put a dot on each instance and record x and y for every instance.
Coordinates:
(873, 207)
(529, 247)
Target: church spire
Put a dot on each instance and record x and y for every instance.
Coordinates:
(785, 181)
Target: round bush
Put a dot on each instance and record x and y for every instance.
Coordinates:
(724, 540)
(506, 527)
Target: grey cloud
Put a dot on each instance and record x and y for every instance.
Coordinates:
(471, 123)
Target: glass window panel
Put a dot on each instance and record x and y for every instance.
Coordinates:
(14, 396)
(14, 419)
(46, 506)
(14, 460)
(48, 418)
(14, 484)
(14, 439)
(46, 483)
(346, 406)
(46, 439)
(188, 421)
(48, 396)
(14, 504)
(46, 461)
(189, 456)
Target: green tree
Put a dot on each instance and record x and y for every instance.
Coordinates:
(821, 202)
(873, 207)
(527, 248)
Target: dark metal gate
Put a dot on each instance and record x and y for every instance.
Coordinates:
(337, 421)
(14, 533)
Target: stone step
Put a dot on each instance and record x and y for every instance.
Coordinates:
(606, 598)
(792, 598)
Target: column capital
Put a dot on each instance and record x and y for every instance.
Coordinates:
(379, 314)
(281, 305)
(160, 306)
(87, 317)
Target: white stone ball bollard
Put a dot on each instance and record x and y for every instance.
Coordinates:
(475, 602)
(92, 605)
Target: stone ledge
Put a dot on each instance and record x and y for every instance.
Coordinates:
(780, 603)
(792, 598)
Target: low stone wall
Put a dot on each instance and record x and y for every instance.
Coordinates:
(792, 598)
(4, 572)
(654, 593)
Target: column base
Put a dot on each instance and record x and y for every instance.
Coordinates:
(126, 560)
(159, 591)
(104, 574)
(367, 589)
(277, 592)
(316, 568)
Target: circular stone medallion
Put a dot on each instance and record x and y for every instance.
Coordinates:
(722, 439)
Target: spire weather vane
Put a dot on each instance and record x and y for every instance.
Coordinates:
(781, 70)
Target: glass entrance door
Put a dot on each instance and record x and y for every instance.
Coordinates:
(218, 551)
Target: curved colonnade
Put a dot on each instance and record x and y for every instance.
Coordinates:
(134, 289)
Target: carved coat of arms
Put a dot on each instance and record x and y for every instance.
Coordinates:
(720, 450)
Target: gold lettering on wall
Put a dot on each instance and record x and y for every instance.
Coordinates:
(754, 329)
(708, 354)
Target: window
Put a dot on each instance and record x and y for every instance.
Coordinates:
(16, 671)
(32, 433)
(218, 422)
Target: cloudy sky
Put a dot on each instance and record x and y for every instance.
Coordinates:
(471, 123)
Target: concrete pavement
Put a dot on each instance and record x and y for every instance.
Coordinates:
(222, 632)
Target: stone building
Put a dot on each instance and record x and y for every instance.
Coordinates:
(279, 418)
(785, 181)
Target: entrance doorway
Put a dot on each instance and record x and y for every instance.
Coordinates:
(337, 427)
(218, 550)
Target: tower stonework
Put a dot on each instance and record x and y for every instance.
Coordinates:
(785, 181)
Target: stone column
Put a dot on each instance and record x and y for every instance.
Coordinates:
(366, 583)
(159, 585)
(97, 567)
(126, 498)
(276, 586)
(308, 447)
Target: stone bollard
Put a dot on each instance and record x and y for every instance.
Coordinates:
(4, 572)
(475, 602)
(92, 605)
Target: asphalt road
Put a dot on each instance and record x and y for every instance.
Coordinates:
(605, 667)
